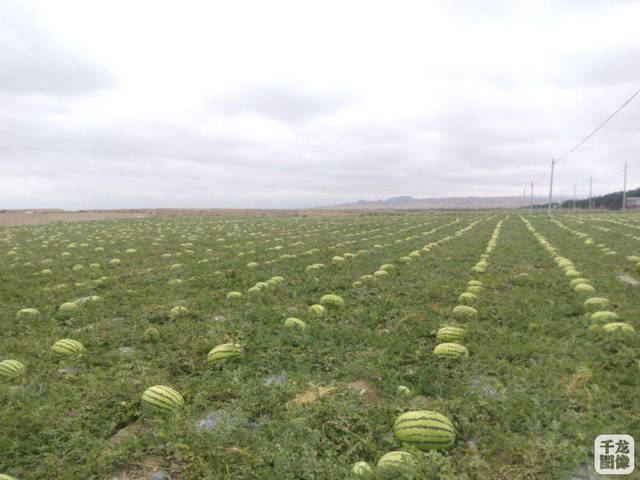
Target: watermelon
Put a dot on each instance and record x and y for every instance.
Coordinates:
(27, 313)
(162, 399)
(596, 303)
(450, 334)
(67, 347)
(152, 334)
(68, 309)
(224, 352)
(425, 430)
(317, 310)
(467, 297)
(11, 368)
(337, 260)
(332, 301)
(450, 350)
(624, 327)
(584, 288)
(397, 460)
(178, 311)
(464, 311)
(603, 316)
(293, 322)
(361, 469)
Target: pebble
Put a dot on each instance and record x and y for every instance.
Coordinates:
(273, 380)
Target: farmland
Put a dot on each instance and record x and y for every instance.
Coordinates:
(541, 380)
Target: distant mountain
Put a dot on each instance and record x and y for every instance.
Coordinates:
(409, 203)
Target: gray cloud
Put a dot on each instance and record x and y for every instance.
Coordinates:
(473, 130)
(286, 103)
(34, 63)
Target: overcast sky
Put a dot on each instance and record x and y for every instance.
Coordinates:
(127, 104)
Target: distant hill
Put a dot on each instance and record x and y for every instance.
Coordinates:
(409, 203)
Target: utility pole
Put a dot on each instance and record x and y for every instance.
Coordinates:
(590, 190)
(531, 204)
(624, 191)
(574, 198)
(553, 164)
(524, 197)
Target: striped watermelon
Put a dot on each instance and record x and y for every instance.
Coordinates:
(7, 477)
(152, 334)
(224, 352)
(68, 309)
(293, 322)
(397, 460)
(331, 300)
(450, 350)
(317, 310)
(231, 295)
(576, 281)
(450, 334)
(474, 283)
(178, 312)
(467, 297)
(464, 311)
(603, 316)
(595, 303)
(11, 368)
(67, 347)
(425, 430)
(624, 327)
(584, 288)
(27, 313)
(361, 469)
(162, 398)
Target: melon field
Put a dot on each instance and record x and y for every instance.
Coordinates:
(483, 346)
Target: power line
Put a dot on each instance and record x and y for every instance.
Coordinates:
(541, 178)
(585, 139)
(578, 145)
(597, 175)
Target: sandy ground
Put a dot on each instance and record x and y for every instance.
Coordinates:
(9, 218)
